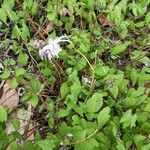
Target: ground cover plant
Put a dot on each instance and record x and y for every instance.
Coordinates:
(74, 74)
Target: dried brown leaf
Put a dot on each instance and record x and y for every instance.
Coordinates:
(49, 27)
(103, 20)
(45, 31)
(26, 126)
(147, 85)
(9, 97)
(38, 44)
(1, 87)
(65, 12)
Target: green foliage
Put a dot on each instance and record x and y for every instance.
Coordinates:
(3, 116)
(3, 16)
(103, 116)
(94, 103)
(119, 48)
(46, 144)
(95, 96)
(6, 73)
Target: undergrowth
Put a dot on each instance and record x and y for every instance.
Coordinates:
(95, 94)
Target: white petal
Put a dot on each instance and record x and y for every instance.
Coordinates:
(56, 49)
(43, 52)
(59, 39)
(52, 49)
(49, 55)
(62, 39)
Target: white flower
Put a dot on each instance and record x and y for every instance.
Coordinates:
(147, 64)
(38, 44)
(52, 49)
(69, 135)
(1, 68)
(86, 80)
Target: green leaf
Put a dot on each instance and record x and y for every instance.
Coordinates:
(12, 15)
(144, 77)
(3, 16)
(63, 113)
(147, 17)
(134, 76)
(147, 108)
(25, 33)
(51, 16)
(94, 103)
(46, 144)
(117, 49)
(27, 4)
(8, 4)
(138, 139)
(122, 29)
(29, 146)
(14, 83)
(129, 101)
(146, 127)
(78, 109)
(75, 89)
(128, 119)
(133, 121)
(35, 85)
(81, 64)
(79, 135)
(103, 139)
(71, 101)
(126, 116)
(103, 116)
(6, 74)
(23, 58)
(34, 9)
(14, 145)
(120, 145)
(64, 89)
(20, 72)
(114, 90)
(16, 123)
(3, 116)
(101, 71)
(92, 144)
(16, 32)
(145, 147)
(101, 3)
(75, 120)
(47, 72)
(33, 100)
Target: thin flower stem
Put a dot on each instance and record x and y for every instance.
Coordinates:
(83, 140)
(93, 78)
(84, 58)
(80, 54)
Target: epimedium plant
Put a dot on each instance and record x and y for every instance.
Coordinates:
(95, 94)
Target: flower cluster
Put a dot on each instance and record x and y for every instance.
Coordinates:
(52, 48)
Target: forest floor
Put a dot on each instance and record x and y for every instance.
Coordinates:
(75, 74)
